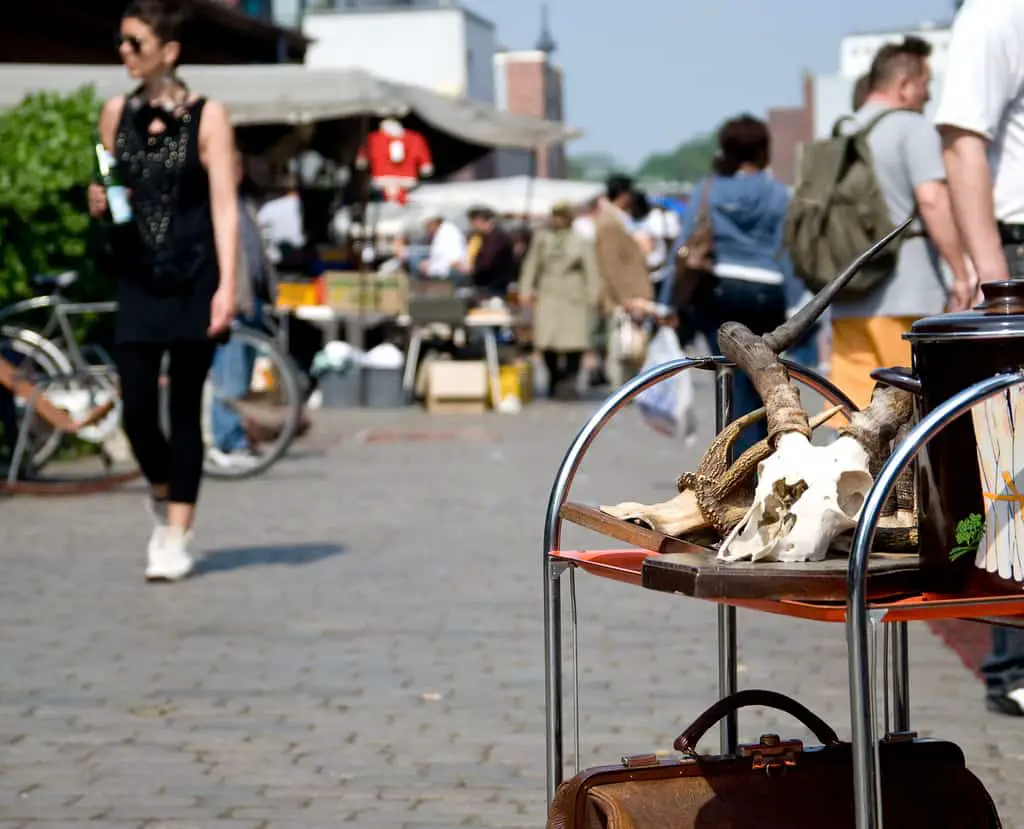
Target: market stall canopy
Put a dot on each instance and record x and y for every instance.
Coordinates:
(289, 95)
(512, 196)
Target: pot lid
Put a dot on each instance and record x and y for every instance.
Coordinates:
(1001, 314)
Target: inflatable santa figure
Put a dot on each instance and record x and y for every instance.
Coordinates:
(398, 158)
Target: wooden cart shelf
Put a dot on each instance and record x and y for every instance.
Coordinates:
(812, 590)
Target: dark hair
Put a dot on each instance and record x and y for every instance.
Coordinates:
(166, 18)
(641, 205)
(861, 89)
(896, 59)
(480, 212)
(743, 140)
(618, 185)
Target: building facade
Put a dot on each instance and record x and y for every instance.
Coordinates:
(57, 31)
(791, 128)
(285, 13)
(436, 44)
(528, 83)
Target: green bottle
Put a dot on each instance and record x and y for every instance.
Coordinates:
(117, 195)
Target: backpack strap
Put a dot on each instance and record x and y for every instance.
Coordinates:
(864, 131)
(870, 125)
(837, 127)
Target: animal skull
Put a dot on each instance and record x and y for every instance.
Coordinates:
(718, 494)
(806, 495)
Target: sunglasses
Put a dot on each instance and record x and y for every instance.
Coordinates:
(133, 42)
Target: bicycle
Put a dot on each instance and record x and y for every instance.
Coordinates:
(77, 378)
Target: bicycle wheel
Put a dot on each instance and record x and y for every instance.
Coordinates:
(39, 361)
(252, 401)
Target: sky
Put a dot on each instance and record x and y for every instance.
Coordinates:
(642, 76)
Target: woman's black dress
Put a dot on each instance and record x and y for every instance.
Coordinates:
(166, 258)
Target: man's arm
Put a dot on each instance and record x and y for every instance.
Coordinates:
(970, 182)
(983, 74)
(936, 211)
(922, 154)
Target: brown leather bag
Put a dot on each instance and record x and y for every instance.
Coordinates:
(774, 784)
(695, 259)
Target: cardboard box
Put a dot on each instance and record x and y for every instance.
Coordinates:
(385, 294)
(457, 387)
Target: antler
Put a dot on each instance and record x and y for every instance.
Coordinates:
(758, 356)
(717, 495)
(876, 427)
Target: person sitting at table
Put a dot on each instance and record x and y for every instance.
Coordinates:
(281, 224)
(447, 256)
(494, 265)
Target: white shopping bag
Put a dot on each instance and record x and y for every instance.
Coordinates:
(668, 406)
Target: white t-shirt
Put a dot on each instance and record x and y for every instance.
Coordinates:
(447, 249)
(661, 225)
(280, 220)
(584, 226)
(982, 90)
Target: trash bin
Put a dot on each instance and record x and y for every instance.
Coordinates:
(340, 389)
(382, 388)
(337, 372)
(382, 368)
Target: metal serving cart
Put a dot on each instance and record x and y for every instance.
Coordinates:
(858, 610)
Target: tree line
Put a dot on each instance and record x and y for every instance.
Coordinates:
(690, 161)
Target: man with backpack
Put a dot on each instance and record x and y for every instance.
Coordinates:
(881, 165)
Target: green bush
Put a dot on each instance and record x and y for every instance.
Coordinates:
(47, 162)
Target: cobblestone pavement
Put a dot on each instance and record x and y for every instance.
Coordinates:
(363, 642)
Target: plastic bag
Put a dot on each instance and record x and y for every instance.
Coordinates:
(668, 406)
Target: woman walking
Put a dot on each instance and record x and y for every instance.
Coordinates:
(752, 282)
(560, 280)
(176, 265)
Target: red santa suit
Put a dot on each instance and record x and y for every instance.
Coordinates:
(398, 158)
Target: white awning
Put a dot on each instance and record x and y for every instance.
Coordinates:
(284, 94)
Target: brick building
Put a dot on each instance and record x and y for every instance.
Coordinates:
(791, 127)
(529, 83)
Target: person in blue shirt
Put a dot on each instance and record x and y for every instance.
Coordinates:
(753, 280)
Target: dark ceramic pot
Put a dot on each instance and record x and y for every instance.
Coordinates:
(950, 353)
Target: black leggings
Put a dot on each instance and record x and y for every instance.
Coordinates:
(177, 461)
(563, 368)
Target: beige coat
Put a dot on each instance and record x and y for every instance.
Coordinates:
(560, 273)
(623, 266)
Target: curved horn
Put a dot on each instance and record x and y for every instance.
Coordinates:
(758, 358)
(875, 427)
(748, 461)
(790, 331)
(754, 358)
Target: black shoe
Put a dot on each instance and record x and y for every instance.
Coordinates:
(1004, 704)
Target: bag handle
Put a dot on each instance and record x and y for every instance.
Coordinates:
(687, 741)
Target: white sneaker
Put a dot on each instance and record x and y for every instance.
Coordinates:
(158, 512)
(168, 558)
(239, 459)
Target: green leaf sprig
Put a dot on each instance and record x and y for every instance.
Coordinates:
(969, 534)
